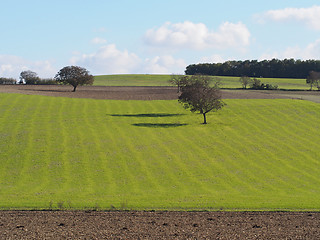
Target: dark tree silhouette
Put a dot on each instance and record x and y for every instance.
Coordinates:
(274, 68)
(199, 95)
(74, 76)
(29, 77)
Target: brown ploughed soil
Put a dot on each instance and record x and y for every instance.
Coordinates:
(156, 225)
(147, 93)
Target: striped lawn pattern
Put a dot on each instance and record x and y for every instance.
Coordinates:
(85, 153)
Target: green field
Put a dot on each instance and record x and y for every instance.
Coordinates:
(162, 80)
(106, 154)
(132, 80)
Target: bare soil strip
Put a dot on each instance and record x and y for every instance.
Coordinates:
(148, 93)
(156, 225)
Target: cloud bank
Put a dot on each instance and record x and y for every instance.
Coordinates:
(197, 36)
(309, 16)
(311, 51)
(12, 66)
(109, 59)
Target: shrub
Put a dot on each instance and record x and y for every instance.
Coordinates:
(8, 81)
(258, 85)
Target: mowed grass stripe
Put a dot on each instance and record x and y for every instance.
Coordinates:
(122, 160)
(205, 164)
(95, 142)
(253, 154)
(282, 129)
(270, 136)
(32, 162)
(13, 145)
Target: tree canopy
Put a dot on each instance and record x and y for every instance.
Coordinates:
(29, 77)
(313, 79)
(199, 94)
(74, 76)
(275, 68)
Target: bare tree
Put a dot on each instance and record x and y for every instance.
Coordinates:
(244, 80)
(178, 80)
(74, 76)
(198, 95)
(313, 78)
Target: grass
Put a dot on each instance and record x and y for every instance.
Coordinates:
(162, 80)
(132, 80)
(59, 153)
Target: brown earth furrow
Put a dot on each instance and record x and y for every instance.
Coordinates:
(158, 225)
(148, 93)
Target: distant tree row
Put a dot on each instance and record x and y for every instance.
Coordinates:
(275, 68)
(7, 80)
(71, 75)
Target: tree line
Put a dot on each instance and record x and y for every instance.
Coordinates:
(71, 75)
(275, 68)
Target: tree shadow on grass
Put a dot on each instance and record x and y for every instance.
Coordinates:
(147, 115)
(159, 125)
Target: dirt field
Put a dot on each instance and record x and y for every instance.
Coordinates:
(156, 225)
(147, 93)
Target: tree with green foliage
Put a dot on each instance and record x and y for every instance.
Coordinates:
(29, 77)
(199, 95)
(244, 80)
(313, 79)
(75, 76)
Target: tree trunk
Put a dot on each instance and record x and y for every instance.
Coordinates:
(204, 118)
(74, 88)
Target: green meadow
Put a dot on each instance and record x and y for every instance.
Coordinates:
(72, 153)
(162, 80)
(132, 80)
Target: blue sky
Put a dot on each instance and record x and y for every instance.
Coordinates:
(111, 37)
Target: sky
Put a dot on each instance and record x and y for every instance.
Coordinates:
(152, 37)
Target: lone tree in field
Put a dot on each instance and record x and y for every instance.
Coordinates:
(313, 78)
(178, 80)
(74, 76)
(29, 77)
(198, 95)
(244, 80)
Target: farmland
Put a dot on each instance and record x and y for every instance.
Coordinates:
(111, 154)
(162, 80)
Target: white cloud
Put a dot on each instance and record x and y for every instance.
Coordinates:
(215, 58)
(107, 60)
(12, 66)
(98, 40)
(164, 64)
(198, 36)
(311, 51)
(310, 16)
(110, 60)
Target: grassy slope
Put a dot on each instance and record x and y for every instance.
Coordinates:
(132, 80)
(162, 80)
(253, 154)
